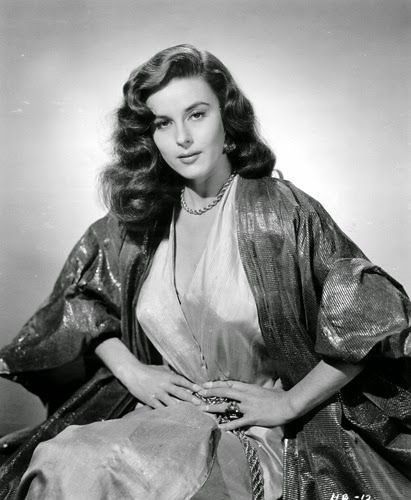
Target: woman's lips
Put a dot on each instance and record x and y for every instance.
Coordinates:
(189, 159)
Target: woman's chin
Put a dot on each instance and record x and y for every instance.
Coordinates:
(193, 172)
(200, 173)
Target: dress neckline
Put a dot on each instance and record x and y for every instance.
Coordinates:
(173, 242)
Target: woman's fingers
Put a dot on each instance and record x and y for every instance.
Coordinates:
(168, 400)
(218, 408)
(184, 395)
(224, 392)
(183, 382)
(234, 424)
(154, 402)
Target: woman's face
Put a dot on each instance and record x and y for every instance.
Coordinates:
(188, 129)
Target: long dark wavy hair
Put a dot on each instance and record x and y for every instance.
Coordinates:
(138, 186)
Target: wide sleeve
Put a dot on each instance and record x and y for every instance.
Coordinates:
(82, 310)
(359, 309)
(363, 311)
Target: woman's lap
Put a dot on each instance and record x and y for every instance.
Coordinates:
(148, 454)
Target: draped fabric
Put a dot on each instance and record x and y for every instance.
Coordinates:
(312, 299)
(83, 309)
(314, 291)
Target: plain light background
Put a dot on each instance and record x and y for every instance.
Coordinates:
(329, 79)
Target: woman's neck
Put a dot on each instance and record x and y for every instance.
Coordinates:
(198, 190)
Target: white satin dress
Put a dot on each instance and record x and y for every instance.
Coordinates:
(212, 331)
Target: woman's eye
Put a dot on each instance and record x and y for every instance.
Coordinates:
(197, 115)
(162, 124)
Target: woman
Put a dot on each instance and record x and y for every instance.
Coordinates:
(266, 354)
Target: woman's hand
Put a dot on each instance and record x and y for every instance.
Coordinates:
(258, 405)
(153, 385)
(272, 407)
(157, 386)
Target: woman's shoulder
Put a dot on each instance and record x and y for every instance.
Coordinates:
(108, 225)
(276, 194)
(106, 233)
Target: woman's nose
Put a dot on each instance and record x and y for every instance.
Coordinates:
(183, 137)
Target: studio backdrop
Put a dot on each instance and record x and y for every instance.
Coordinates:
(329, 79)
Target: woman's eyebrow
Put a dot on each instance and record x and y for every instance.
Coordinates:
(187, 110)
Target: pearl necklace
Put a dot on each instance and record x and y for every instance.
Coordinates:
(212, 203)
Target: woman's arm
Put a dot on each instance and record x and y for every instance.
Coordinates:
(82, 310)
(362, 312)
(273, 407)
(153, 385)
(117, 357)
(322, 382)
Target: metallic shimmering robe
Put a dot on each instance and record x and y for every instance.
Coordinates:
(317, 297)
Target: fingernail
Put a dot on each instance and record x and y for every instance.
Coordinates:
(202, 392)
(196, 388)
(207, 385)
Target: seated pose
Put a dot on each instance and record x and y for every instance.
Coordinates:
(215, 335)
